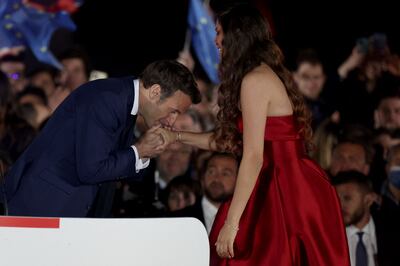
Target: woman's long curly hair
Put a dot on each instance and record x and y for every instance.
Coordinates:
(247, 43)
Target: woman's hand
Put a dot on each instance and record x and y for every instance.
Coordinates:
(226, 238)
(168, 136)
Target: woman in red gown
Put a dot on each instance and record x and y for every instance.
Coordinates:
(284, 211)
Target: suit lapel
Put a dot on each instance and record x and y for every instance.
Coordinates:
(127, 134)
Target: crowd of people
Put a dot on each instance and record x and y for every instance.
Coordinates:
(355, 118)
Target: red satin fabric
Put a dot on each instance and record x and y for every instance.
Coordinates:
(293, 215)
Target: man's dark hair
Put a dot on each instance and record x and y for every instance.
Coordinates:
(387, 86)
(42, 68)
(308, 55)
(78, 53)
(171, 76)
(5, 90)
(219, 155)
(359, 135)
(355, 177)
(184, 184)
(32, 90)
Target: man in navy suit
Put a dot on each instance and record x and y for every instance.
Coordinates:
(89, 140)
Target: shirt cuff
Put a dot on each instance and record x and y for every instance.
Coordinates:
(140, 164)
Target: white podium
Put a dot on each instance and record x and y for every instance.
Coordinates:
(102, 242)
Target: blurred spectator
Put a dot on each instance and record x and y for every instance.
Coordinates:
(385, 139)
(389, 211)
(310, 78)
(76, 69)
(325, 138)
(391, 188)
(208, 107)
(174, 161)
(356, 197)
(387, 113)
(218, 183)
(182, 192)
(5, 91)
(360, 74)
(33, 106)
(32, 95)
(15, 133)
(14, 68)
(29, 114)
(351, 155)
(43, 77)
(189, 121)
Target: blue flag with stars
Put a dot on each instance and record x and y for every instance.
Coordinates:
(202, 29)
(23, 25)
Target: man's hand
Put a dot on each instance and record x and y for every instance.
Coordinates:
(186, 59)
(150, 144)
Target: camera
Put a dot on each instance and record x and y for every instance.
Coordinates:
(375, 44)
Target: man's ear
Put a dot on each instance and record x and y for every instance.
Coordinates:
(295, 75)
(155, 92)
(370, 198)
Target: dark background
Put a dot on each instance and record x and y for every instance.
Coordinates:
(122, 36)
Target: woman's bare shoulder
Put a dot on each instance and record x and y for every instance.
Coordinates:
(263, 76)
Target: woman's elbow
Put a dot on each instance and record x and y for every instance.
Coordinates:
(256, 158)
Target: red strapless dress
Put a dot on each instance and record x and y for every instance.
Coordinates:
(293, 216)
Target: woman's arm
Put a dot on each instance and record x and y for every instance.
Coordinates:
(254, 101)
(200, 140)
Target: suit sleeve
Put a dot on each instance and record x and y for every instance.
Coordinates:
(98, 125)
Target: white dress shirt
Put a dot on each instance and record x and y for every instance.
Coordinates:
(368, 238)
(161, 183)
(140, 163)
(209, 211)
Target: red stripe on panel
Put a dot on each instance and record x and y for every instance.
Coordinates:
(31, 222)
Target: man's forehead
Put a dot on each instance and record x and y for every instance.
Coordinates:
(224, 159)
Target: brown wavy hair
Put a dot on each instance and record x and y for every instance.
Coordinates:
(247, 43)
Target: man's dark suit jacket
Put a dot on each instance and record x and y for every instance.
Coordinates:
(85, 143)
(387, 223)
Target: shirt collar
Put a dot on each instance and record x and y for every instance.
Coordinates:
(135, 107)
(368, 229)
(207, 205)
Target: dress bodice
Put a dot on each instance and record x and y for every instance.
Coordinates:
(278, 128)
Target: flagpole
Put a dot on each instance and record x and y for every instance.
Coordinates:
(188, 37)
(188, 40)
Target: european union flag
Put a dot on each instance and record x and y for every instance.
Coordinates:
(203, 34)
(22, 25)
